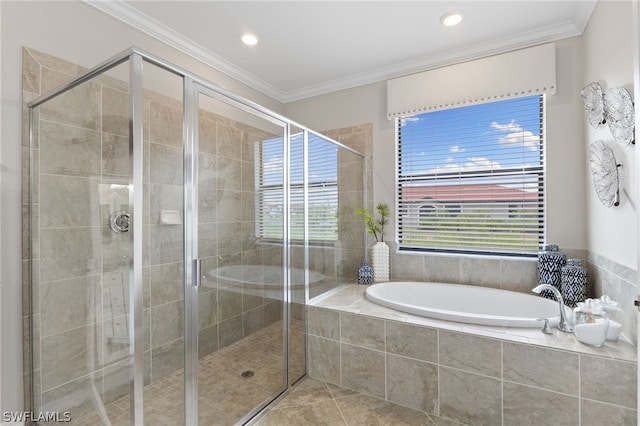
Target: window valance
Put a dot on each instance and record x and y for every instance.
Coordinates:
(522, 72)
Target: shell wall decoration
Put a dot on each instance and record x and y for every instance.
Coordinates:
(613, 107)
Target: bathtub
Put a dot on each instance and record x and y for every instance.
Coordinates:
(464, 303)
(263, 275)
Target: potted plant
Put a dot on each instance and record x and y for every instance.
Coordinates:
(380, 251)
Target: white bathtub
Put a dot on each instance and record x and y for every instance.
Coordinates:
(464, 303)
(263, 275)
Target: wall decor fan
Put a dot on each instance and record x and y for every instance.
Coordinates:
(593, 102)
(619, 114)
(604, 170)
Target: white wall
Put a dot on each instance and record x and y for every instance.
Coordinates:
(608, 59)
(566, 216)
(79, 33)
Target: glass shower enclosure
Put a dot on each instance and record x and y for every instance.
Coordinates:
(176, 232)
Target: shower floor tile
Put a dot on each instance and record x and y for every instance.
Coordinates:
(225, 396)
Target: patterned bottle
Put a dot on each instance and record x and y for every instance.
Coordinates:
(365, 273)
(574, 282)
(550, 262)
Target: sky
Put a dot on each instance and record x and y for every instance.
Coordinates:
(495, 136)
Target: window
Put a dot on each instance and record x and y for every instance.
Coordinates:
(471, 179)
(322, 189)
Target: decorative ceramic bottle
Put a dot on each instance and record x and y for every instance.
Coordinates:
(573, 282)
(550, 262)
(380, 261)
(365, 273)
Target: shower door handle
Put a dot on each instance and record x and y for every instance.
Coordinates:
(196, 272)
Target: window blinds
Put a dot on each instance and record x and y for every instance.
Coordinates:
(322, 189)
(519, 73)
(471, 179)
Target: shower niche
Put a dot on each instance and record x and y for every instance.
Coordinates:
(175, 232)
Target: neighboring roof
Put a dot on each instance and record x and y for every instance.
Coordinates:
(456, 193)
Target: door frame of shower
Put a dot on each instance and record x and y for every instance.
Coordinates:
(193, 85)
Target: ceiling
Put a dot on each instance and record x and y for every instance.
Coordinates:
(308, 48)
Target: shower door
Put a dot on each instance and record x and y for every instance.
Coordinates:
(235, 295)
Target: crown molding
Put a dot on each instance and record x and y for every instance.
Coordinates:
(136, 19)
(481, 50)
(133, 17)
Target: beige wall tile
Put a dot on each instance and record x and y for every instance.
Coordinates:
(324, 359)
(323, 322)
(30, 73)
(480, 271)
(412, 383)
(545, 368)
(166, 164)
(363, 370)
(362, 331)
(470, 398)
(69, 150)
(70, 355)
(518, 275)
(84, 391)
(412, 341)
(167, 359)
(69, 201)
(526, 405)
(70, 304)
(69, 252)
(166, 124)
(618, 376)
(440, 268)
(167, 323)
(79, 107)
(115, 111)
(593, 413)
(230, 330)
(471, 353)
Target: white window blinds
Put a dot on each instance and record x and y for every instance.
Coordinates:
(519, 73)
(322, 189)
(471, 179)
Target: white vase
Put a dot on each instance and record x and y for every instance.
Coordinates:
(380, 262)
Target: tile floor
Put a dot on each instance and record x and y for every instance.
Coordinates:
(312, 402)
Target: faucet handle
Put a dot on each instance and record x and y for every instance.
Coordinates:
(546, 329)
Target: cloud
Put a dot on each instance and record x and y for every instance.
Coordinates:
(473, 164)
(456, 148)
(514, 134)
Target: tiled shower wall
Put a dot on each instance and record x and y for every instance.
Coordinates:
(80, 266)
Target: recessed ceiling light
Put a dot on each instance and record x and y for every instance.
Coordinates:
(451, 19)
(249, 39)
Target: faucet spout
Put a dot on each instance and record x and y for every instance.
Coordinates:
(564, 324)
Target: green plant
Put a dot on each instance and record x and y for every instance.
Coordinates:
(375, 226)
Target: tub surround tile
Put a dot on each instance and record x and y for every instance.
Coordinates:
(480, 271)
(485, 358)
(595, 413)
(470, 398)
(620, 383)
(362, 370)
(361, 330)
(323, 359)
(525, 405)
(323, 322)
(444, 269)
(412, 383)
(475, 374)
(412, 341)
(545, 368)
